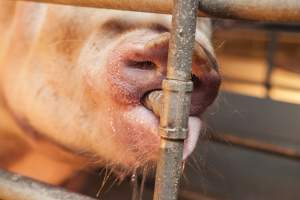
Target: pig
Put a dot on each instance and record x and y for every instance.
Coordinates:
(72, 81)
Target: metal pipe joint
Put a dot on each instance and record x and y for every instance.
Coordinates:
(174, 115)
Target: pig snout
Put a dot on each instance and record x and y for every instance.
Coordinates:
(135, 66)
(83, 76)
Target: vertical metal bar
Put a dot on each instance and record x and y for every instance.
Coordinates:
(271, 50)
(177, 90)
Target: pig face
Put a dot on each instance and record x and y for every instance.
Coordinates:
(76, 77)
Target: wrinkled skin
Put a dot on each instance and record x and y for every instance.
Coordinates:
(72, 80)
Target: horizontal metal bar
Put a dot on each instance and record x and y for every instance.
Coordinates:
(234, 80)
(256, 145)
(237, 24)
(17, 187)
(261, 10)
(277, 27)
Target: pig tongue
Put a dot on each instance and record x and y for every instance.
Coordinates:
(194, 125)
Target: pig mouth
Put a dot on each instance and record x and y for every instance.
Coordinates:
(152, 101)
(141, 67)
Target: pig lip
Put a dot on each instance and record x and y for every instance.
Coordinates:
(194, 126)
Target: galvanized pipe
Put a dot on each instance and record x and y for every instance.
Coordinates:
(262, 10)
(177, 88)
(17, 187)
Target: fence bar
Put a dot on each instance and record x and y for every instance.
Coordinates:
(255, 145)
(17, 187)
(177, 88)
(262, 10)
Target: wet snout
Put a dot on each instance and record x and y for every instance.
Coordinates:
(205, 76)
(137, 66)
(140, 61)
(206, 81)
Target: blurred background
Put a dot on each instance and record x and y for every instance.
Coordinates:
(254, 126)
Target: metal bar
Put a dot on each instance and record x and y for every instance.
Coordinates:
(237, 24)
(17, 187)
(228, 79)
(262, 10)
(177, 88)
(256, 145)
(288, 27)
(271, 50)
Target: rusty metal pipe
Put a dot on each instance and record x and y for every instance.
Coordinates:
(17, 187)
(177, 88)
(255, 145)
(262, 10)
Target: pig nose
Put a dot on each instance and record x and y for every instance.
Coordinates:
(205, 76)
(206, 79)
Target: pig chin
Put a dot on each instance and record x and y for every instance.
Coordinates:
(142, 134)
(139, 132)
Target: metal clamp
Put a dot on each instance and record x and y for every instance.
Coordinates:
(173, 124)
(173, 133)
(177, 85)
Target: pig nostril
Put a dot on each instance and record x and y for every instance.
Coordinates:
(196, 81)
(144, 65)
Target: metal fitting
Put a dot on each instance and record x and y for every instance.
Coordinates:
(177, 85)
(173, 133)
